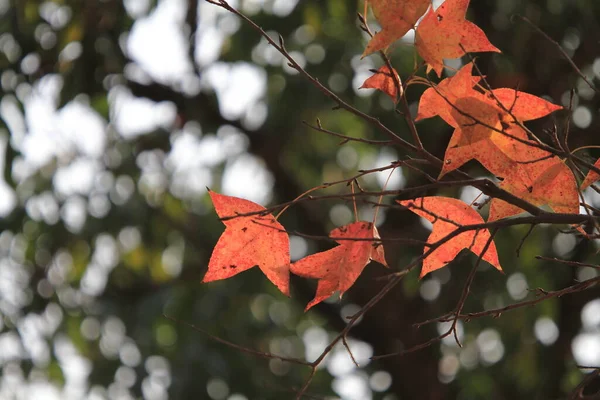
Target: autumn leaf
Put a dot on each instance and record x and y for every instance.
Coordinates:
(445, 33)
(487, 124)
(486, 133)
(523, 106)
(447, 214)
(492, 134)
(478, 136)
(438, 101)
(248, 241)
(384, 80)
(473, 138)
(441, 100)
(528, 172)
(544, 182)
(591, 177)
(338, 268)
(396, 18)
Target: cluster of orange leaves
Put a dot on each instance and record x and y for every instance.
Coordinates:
(488, 127)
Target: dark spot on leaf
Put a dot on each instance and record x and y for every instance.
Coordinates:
(440, 17)
(244, 229)
(530, 189)
(233, 266)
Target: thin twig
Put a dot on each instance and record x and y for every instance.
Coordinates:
(238, 347)
(567, 262)
(560, 50)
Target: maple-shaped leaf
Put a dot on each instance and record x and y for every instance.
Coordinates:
(486, 133)
(474, 137)
(445, 32)
(248, 241)
(528, 172)
(338, 268)
(545, 182)
(396, 18)
(591, 177)
(386, 81)
(486, 123)
(438, 101)
(447, 214)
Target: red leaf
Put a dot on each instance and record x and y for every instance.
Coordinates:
(337, 269)
(545, 182)
(591, 177)
(444, 33)
(447, 214)
(249, 241)
(485, 124)
(384, 80)
(396, 17)
(441, 100)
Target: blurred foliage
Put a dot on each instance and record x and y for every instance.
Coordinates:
(88, 270)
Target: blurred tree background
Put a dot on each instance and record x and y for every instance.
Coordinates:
(115, 115)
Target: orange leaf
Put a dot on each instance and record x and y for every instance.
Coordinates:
(545, 182)
(438, 100)
(396, 18)
(384, 80)
(444, 33)
(480, 118)
(447, 214)
(485, 123)
(524, 106)
(591, 177)
(474, 138)
(249, 241)
(337, 269)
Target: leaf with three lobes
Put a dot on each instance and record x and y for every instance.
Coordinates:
(337, 269)
(386, 82)
(445, 33)
(591, 177)
(396, 18)
(249, 241)
(447, 214)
